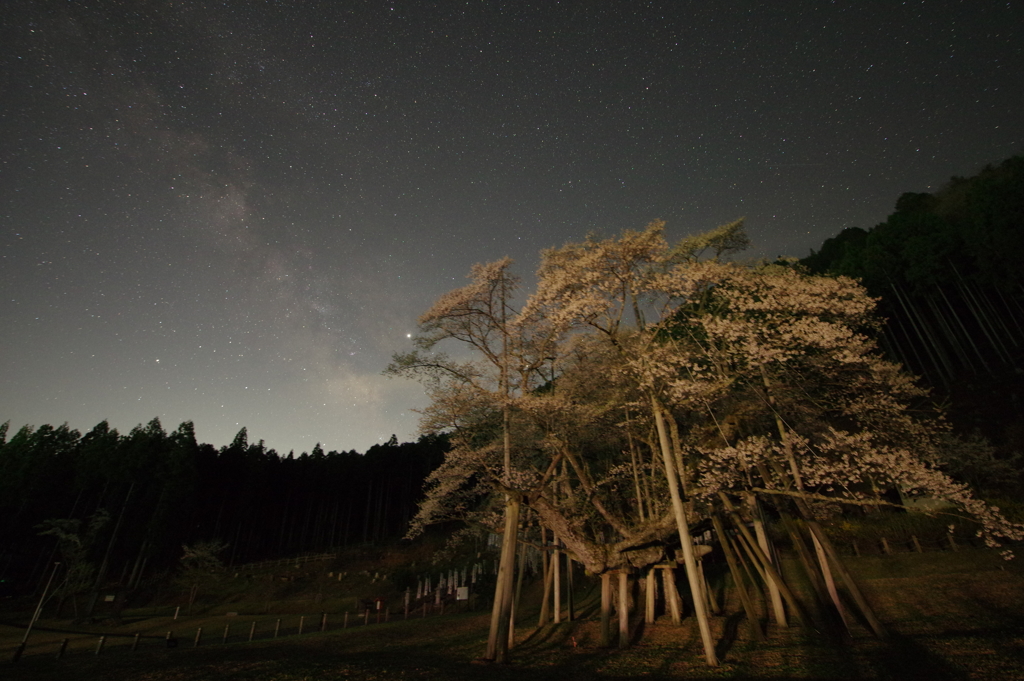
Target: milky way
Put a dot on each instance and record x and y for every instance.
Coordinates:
(233, 212)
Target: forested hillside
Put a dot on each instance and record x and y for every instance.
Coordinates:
(947, 268)
(125, 504)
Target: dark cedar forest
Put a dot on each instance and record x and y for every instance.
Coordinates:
(946, 268)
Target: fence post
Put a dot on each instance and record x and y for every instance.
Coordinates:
(135, 643)
(199, 636)
(345, 626)
(917, 544)
(176, 611)
(226, 628)
(366, 617)
(323, 622)
(63, 647)
(277, 628)
(252, 630)
(302, 619)
(885, 546)
(99, 644)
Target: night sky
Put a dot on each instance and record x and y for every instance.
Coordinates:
(234, 212)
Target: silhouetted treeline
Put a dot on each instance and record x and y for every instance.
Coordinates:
(159, 490)
(949, 270)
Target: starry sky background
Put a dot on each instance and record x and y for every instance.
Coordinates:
(234, 212)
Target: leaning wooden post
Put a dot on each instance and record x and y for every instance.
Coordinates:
(830, 583)
(762, 539)
(606, 609)
(62, 649)
(135, 641)
(199, 637)
(323, 620)
(813, 574)
(227, 628)
(705, 589)
(302, 620)
(252, 630)
(682, 526)
(737, 579)
(847, 578)
(763, 564)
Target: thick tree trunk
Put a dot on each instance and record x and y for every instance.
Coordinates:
(501, 612)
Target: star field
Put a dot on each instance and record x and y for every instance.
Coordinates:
(234, 212)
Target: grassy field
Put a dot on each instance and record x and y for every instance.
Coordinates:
(950, 616)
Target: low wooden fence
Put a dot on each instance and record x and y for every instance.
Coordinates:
(234, 630)
(887, 546)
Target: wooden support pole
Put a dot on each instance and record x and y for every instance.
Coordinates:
(570, 603)
(760, 560)
(668, 580)
(623, 609)
(774, 596)
(737, 579)
(227, 628)
(830, 583)
(851, 585)
(545, 599)
(649, 596)
(709, 599)
(252, 630)
(556, 569)
(813, 574)
(62, 649)
(135, 641)
(99, 644)
(685, 540)
(199, 637)
(606, 609)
